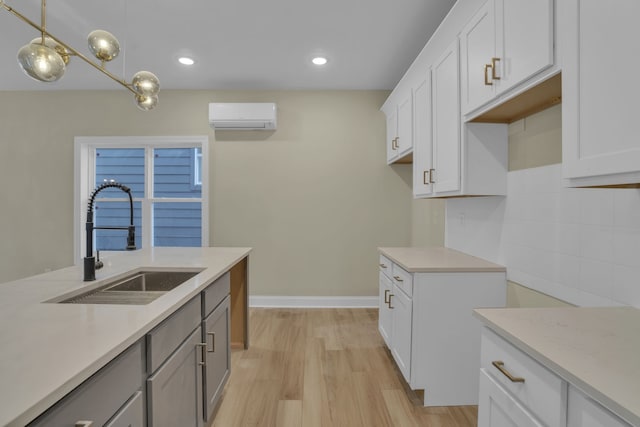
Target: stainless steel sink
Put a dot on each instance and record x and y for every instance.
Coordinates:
(138, 288)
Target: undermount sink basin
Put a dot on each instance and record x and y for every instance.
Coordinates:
(137, 288)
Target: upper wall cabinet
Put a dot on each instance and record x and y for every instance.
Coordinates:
(399, 130)
(450, 160)
(503, 45)
(600, 91)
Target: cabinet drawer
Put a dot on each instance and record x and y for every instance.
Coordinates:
(131, 414)
(102, 395)
(168, 335)
(403, 279)
(385, 265)
(542, 392)
(215, 293)
(498, 408)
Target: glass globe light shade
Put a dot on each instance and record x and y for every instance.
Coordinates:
(146, 102)
(41, 63)
(103, 45)
(49, 42)
(145, 83)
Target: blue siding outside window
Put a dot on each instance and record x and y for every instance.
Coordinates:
(175, 174)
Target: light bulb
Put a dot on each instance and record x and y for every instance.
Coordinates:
(61, 50)
(319, 60)
(146, 102)
(103, 45)
(41, 63)
(145, 83)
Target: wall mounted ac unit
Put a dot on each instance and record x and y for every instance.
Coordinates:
(242, 116)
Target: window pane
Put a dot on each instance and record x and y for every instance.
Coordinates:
(115, 214)
(125, 165)
(177, 224)
(175, 173)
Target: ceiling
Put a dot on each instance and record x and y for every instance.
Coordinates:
(237, 44)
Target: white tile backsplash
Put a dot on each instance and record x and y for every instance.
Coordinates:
(581, 245)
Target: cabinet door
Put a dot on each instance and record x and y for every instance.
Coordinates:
(477, 43)
(384, 312)
(401, 331)
(218, 355)
(392, 133)
(174, 392)
(600, 92)
(405, 121)
(446, 121)
(524, 40)
(422, 148)
(584, 412)
(497, 408)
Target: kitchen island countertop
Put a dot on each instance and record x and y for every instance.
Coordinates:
(48, 349)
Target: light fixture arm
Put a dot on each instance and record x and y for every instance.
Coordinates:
(45, 60)
(42, 29)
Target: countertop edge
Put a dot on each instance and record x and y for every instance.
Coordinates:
(559, 370)
(490, 267)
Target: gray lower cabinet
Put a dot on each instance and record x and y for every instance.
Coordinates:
(111, 393)
(218, 355)
(174, 391)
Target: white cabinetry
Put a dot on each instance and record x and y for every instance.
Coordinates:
(536, 392)
(434, 340)
(399, 129)
(450, 159)
(504, 44)
(585, 412)
(600, 89)
(385, 319)
(516, 390)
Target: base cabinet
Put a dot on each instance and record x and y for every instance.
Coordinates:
(217, 356)
(499, 409)
(433, 338)
(174, 392)
(516, 390)
(585, 412)
(105, 397)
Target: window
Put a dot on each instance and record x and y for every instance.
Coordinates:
(167, 177)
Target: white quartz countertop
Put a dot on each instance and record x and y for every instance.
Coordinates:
(596, 349)
(48, 349)
(437, 259)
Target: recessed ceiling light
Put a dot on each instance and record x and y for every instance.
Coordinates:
(184, 60)
(319, 60)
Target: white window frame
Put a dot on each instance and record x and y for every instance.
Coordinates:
(84, 181)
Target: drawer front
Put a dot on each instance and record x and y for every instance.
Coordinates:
(168, 335)
(215, 293)
(403, 279)
(102, 395)
(131, 415)
(385, 265)
(542, 392)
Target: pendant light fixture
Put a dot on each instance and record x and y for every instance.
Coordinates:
(45, 59)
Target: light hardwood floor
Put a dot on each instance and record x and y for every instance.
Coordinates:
(323, 367)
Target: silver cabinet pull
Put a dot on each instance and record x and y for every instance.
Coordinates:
(84, 423)
(203, 346)
(213, 342)
(398, 278)
(499, 364)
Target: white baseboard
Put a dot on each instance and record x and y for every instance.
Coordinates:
(312, 302)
